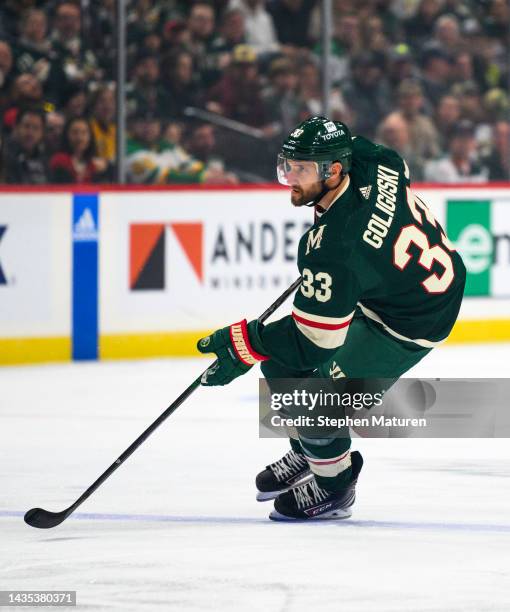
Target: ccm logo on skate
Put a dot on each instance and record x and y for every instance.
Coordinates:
(318, 509)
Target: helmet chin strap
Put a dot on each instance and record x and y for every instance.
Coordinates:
(318, 198)
(324, 191)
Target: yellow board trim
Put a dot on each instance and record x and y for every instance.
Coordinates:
(15, 351)
(139, 346)
(477, 331)
(183, 344)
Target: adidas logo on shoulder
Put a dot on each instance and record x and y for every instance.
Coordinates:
(365, 191)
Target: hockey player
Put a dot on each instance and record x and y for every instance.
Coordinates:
(381, 286)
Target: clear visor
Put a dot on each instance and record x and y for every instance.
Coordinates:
(293, 172)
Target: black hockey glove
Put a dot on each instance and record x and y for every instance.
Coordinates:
(234, 351)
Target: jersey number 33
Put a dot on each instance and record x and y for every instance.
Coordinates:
(415, 234)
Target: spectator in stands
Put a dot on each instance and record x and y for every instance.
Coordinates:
(24, 158)
(26, 93)
(238, 94)
(198, 36)
(102, 122)
(472, 108)
(35, 54)
(465, 12)
(175, 35)
(101, 34)
(55, 122)
(446, 118)
(498, 160)
(201, 25)
(310, 94)
(152, 43)
(496, 104)
(424, 138)
(401, 65)
(10, 15)
(173, 132)
(393, 132)
(419, 27)
(74, 101)
(151, 159)
(33, 46)
(496, 22)
(143, 147)
(200, 143)
(347, 41)
(292, 21)
(178, 78)
(447, 35)
(77, 161)
(259, 26)
(67, 28)
(463, 68)
(461, 164)
(374, 35)
(144, 91)
(79, 62)
(367, 93)
(6, 63)
(144, 19)
(470, 101)
(281, 102)
(436, 75)
(387, 11)
(232, 33)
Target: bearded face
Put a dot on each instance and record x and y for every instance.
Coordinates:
(303, 177)
(301, 195)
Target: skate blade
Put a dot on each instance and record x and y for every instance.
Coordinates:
(263, 496)
(334, 515)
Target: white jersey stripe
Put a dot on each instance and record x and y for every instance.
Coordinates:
(419, 341)
(329, 461)
(324, 338)
(330, 467)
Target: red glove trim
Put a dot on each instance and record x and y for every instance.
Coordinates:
(241, 343)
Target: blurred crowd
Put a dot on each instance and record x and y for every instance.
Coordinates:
(215, 85)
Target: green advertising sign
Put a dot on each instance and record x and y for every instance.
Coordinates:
(468, 224)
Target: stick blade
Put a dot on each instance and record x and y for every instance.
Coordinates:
(43, 519)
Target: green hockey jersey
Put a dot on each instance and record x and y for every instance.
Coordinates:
(377, 248)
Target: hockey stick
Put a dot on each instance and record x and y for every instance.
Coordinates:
(44, 519)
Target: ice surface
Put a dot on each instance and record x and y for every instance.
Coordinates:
(178, 527)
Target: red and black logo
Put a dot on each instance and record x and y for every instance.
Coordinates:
(147, 245)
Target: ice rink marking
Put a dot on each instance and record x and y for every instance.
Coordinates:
(227, 520)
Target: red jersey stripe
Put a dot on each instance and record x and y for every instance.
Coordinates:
(330, 326)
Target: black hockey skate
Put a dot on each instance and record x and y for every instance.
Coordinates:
(311, 502)
(282, 475)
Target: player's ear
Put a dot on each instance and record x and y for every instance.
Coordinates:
(335, 171)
